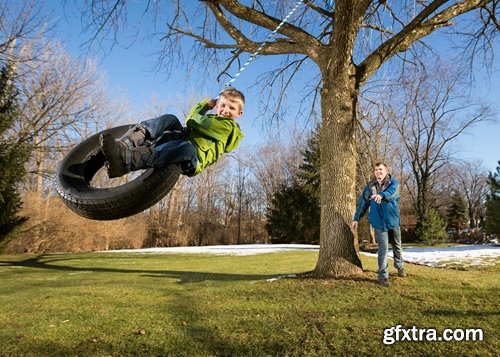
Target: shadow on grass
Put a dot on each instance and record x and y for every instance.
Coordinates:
(364, 276)
(205, 336)
(42, 262)
(201, 334)
(460, 313)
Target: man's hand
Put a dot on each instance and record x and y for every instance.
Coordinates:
(354, 225)
(377, 198)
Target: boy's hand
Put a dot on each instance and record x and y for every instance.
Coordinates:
(212, 103)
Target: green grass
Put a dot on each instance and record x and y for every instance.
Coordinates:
(198, 305)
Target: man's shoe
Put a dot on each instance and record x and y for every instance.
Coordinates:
(402, 273)
(384, 282)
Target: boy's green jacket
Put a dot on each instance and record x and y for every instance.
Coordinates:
(211, 135)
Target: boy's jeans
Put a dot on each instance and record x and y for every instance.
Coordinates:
(383, 238)
(174, 151)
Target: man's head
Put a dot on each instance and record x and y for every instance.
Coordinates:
(380, 171)
(230, 103)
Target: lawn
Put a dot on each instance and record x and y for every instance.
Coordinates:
(121, 304)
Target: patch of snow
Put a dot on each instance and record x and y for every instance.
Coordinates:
(289, 276)
(243, 249)
(465, 255)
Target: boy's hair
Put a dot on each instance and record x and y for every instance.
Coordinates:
(234, 95)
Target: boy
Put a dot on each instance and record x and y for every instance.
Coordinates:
(200, 144)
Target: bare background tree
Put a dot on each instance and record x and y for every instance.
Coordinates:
(471, 179)
(22, 22)
(430, 115)
(59, 98)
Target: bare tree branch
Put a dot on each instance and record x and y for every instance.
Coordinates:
(422, 25)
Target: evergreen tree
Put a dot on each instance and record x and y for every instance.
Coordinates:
(309, 173)
(457, 213)
(13, 156)
(433, 227)
(493, 203)
(294, 215)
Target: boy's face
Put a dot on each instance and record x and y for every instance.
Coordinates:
(228, 108)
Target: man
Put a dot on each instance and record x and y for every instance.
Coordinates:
(381, 195)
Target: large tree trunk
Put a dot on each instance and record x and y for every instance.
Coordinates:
(338, 256)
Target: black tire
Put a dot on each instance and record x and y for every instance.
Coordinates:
(78, 168)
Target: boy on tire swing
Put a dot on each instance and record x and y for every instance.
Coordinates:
(200, 144)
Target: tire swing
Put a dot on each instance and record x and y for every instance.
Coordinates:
(74, 183)
(78, 171)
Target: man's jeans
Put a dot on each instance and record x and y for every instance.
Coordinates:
(174, 151)
(393, 236)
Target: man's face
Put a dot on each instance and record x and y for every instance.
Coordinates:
(228, 108)
(380, 172)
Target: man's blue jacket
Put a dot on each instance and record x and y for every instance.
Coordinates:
(383, 215)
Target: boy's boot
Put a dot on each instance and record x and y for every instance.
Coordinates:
(126, 154)
(135, 136)
(141, 158)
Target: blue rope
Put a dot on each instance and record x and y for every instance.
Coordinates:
(271, 35)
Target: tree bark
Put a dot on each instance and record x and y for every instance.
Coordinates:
(338, 256)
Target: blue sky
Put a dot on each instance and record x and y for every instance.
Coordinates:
(129, 72)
